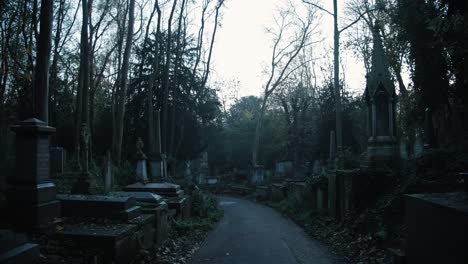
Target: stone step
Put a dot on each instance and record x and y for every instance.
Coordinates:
(25, 253)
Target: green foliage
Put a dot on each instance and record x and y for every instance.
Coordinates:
(205, 213)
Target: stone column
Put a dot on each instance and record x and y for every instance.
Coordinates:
(31, 194)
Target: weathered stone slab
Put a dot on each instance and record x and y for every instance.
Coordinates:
(161, 223)
(163, 189)
(146, 230)
(437, 228)
(117, 242)
(99, 206)
(181, 205)
(146, 197)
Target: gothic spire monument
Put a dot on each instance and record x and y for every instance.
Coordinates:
(381, 100)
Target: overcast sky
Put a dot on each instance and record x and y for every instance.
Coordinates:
(243, 47)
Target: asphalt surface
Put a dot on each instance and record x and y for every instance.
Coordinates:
(251, 233)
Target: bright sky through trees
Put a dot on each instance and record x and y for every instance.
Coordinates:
(243, 47)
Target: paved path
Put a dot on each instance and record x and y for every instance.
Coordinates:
(255, 234)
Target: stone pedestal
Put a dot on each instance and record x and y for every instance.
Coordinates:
(382, 151)
(141, 171)
(31, 199)
(157, 169)
(437, 228)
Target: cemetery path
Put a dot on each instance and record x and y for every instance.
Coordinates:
(257, 234)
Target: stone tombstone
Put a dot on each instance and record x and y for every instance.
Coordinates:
(141, 170)
(31, 201)
(317, 168)
(283, 169)
(57, 160)
(380, 96)
(158, 168)
(204, 168)
(188, 169)
(108, 177)
(258, 174)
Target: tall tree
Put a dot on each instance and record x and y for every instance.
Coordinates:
(123, 84)
(41, 78)
(336, 68)
(165, 84)
(283, 54)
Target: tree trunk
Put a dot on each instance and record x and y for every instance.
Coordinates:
(154, 140)
(41, 80)
(336, 79)
(166, 80)
(123, 83)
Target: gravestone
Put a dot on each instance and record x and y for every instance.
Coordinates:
(152, 204)
(258, 174)
(57, 160)
(77, 205)
(173, 194)
(317, 168)
(157, 160)
(108, 177)
(141, 170)
(204, 169)
(380, 96)
(283, 169)
(31, 201)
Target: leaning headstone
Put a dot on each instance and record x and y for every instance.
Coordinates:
(31, 201)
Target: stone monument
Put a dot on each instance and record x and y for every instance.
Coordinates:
(31, 193)
(204, 169)
(157, 159)
(382, 149)
(141, 171)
